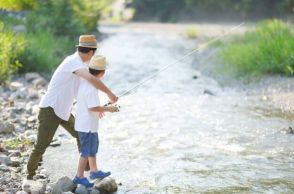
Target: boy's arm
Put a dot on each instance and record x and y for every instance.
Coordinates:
(84, 73)
(104, 109)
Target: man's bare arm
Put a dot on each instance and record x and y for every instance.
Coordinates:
(84, 73)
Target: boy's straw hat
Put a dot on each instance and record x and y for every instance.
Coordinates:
(98, 62)
(87, 41)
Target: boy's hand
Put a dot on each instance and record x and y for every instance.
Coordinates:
(112, 98)
(112, 109)
(101, 115)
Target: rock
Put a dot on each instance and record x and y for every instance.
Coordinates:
(81, 190)
(195, 77)
(107, 184)
(208, 92)
(63, 184)
(94, 191)
(49, 189)
(15, 162)
(3, 180)
(31, 76)
(40, 176)
(14, 153)
(5, 159)
(16, 85)
(4, 168)
(17, 95)
(34, 187)
(6, 128)
(55, 143)
(21, 192)
(32, 119)
(39, 82)
(289, 130)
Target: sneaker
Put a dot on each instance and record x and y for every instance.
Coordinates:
(82, 181)
(99, 174)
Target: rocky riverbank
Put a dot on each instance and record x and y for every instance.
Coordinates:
(18, 123)
(18, 118)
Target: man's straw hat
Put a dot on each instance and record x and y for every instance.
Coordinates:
(87, 41)
(98, 62)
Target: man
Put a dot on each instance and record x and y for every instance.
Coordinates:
(55, 105)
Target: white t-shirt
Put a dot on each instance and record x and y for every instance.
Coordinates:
(88, 97)
(63, 87)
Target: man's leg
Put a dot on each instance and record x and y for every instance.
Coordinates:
(48, 123)
(69, 126)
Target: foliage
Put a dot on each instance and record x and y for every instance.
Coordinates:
(192, 32)
(43, 51)
(269, 49)
(15, 143)
(173, 10)
(11, 46)
(17, 4)
(58, 16)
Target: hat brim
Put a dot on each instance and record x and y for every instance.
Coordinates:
(106, 67)
(86, 46)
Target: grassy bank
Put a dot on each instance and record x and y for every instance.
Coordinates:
(268, 49)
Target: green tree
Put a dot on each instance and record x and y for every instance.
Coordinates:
(17, 5)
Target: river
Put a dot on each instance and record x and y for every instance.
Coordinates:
(173, 137)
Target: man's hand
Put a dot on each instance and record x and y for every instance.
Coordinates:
(84, 73)
(112, 98)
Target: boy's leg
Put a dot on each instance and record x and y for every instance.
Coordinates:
(94, 173)
(94, 143)
(48, 123)
(82, 165)
(92, 163)
(69, 126)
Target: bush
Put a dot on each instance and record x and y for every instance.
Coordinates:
(43, 52)
(192, 32)
(269, 49)
(54, 15)
(10, 45)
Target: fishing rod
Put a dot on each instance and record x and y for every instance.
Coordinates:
(196, 50)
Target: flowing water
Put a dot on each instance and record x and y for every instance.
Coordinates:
(172, 137)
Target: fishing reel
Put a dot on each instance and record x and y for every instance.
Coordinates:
(116, 105)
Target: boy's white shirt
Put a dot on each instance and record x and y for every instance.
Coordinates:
(88, 97)
(63, 87)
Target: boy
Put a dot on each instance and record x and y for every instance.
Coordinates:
(55, 105)
(87, 122)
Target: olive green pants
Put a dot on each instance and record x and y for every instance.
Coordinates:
(48, 124)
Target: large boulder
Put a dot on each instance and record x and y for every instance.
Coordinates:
(63, 184)
(81, 190)
(34, 187)
(107, 184)
(94, 191)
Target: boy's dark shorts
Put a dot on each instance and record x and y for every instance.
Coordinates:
(89, 144)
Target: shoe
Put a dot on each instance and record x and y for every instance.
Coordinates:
(82, 181)
(99, 174)
(30, 177)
